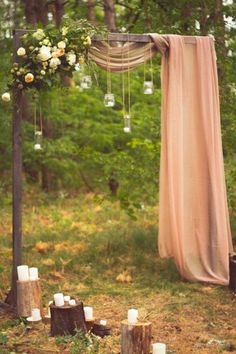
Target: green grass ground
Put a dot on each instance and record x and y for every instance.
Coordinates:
(81, 245)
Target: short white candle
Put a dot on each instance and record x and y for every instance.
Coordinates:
(59, 299)
(23, 273)
(159, 348)
(36, 315)
(33, 273)
(103, 322)
(37, 147)
(88, 312)
(67, 298)
(72, 302)
(132, 316)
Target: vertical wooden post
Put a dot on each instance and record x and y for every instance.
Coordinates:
(16, 184)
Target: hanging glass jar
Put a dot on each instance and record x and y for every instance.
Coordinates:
(148, 87)
(86, 82)
(127, 123)
(109, 100)
(38, 138)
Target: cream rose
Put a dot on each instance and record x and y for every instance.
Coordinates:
(21, 52)
(61, 45)
(54, 62)
(29, 78)
(39, 34)
(64, 30)
(6, 97)
(71, 58)
(44, 53)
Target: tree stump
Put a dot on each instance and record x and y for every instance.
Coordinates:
(66, 319)
(136, 339)
(28, 297)
(232, 272)
(101, 330)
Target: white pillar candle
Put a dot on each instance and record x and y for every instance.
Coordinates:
(159, 348)
(23, 273)
(59, 299)
(67, 298)
(36, 315)
(132, 316)
(103, 322)
(88, 312)
(72, 302)
(33, 273)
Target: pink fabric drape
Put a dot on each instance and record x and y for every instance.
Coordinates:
(194, 223)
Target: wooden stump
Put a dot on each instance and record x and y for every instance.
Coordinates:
(136, 339)
(28, 297)
(89, 324)
(66, 319)
(232, 272)
(100, 330)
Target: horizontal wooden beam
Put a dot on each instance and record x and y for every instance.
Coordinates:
(111, 37)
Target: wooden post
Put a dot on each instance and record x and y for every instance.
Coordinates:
(136, 339)
(28, 297)
(66, 319)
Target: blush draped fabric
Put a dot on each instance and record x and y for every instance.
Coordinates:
(193, 222)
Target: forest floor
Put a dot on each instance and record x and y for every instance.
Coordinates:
(80, 246)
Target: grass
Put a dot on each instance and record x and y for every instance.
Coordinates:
(80, 246)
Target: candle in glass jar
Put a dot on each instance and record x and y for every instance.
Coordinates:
(33, 273)
(59, 299)
(23, 273)
(159, 348)
(88, 312)
(132, 316)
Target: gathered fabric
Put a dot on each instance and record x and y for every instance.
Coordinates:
(193, 213)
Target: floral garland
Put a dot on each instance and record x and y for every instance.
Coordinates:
(50, 51)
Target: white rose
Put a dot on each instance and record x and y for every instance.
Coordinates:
(71, 58)
(46, 41)
(21, 51)
(64, 30)
(61, 45)
(54, 62)
(44, 53)
(39, 34)
(6, 97)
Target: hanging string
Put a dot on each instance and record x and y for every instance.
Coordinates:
(123, 83)
(40, 119)
(151, 68)
(128, 75)
(108, 67)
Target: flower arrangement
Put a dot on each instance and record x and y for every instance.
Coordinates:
(47, 52)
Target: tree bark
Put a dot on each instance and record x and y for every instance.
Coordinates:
(28, 297)
(91, 11)
(110, 15)
(135, 339)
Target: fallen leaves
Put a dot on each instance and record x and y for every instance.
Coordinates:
(124, 277)
(42, 247)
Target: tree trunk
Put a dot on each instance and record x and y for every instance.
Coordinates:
(28, 297)
(136, 339)
(91, 11)
(110, 15)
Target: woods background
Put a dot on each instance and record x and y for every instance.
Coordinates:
(84, 146)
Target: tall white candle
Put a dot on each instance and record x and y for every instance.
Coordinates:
(159, 348)
(23, 272)
(88, 313)
(33, 273)
(36, 316)
(132, 316)
(59, 299)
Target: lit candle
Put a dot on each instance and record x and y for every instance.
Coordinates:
(132, 316)
(72, 302)
(36, 316)
(59, 299)
(33, 273)
(159, 348)
(103, 322)
(23, 273)
(88, 312)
